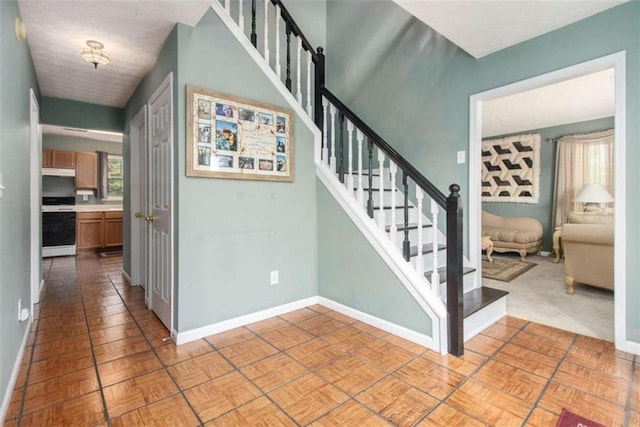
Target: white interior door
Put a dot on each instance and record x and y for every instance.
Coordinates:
(138, 174)
(160, 175)
(35, 155)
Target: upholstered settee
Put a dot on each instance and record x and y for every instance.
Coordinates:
(588, 255)
(512, 234)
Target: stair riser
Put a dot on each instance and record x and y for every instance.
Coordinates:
(399, 215)
(427, 236)
(428, 260)
(387, 196)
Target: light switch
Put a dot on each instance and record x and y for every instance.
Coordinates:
(462, 158)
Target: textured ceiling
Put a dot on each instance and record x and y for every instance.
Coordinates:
(132, 32)
(584, 98)
(481, 27)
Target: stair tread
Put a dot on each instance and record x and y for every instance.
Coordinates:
(376, 189)
(442, 272)
(390, 207)
(410, 226)
(477, 299)
(363, 173)
(427, 248)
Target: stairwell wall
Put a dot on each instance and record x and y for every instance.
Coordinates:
(233, 233)
(414, 86)
(17, 77)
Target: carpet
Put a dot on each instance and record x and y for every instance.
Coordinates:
(504, 269)
(569, 419)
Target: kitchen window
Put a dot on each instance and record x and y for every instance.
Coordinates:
(115, 178)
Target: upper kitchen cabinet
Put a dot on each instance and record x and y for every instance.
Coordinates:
(46, 158)
(63, 159)
(86, 171)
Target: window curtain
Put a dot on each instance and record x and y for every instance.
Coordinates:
(580, 160)
(103, 160)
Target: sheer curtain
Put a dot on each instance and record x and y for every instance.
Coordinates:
(580, 160)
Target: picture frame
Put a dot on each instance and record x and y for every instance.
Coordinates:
(231, 137)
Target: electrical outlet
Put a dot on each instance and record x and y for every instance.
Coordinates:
(274, 277)
(23, 312)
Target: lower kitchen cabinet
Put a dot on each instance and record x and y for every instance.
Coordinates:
(96, 230)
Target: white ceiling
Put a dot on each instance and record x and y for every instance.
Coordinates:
(132, 32)
(481, 27)
(584, 98)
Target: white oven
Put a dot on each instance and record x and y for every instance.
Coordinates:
(58, 226)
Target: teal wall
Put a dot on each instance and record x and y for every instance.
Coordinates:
(414, 87)
(543, 210)
(65, 112)
(233, 233)
(167, 62)
(17, 77)
(64, 186)
(352, 273)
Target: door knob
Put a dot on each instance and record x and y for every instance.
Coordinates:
(139, 215)
(150, 218)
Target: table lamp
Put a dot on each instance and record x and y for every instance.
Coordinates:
(593, 195)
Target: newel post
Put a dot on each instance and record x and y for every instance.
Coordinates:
(318, 85)
(454, 272)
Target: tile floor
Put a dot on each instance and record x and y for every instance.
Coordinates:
(96, 356)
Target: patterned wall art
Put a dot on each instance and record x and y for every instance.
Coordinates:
(237, 138)
(511, 169)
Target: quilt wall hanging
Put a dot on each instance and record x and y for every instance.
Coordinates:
(511, 169)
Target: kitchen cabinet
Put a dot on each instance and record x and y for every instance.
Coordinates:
(96, 230)
(63, 159)
(112, 229)
(86, 171)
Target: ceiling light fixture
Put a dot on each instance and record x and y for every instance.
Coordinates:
(94, 54)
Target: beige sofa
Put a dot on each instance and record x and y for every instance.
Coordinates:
(588, 255)
(512, 234)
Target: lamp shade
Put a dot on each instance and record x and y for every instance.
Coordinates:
(593, 193)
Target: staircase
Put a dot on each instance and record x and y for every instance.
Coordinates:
(412, 225)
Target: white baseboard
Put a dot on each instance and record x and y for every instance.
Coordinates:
(127, 278)
(484, 318)
(41, 284)
(236, 322)
(385, 325)
(14, 374)
(630, 347)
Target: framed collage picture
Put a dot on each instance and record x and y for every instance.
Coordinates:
(237, 138)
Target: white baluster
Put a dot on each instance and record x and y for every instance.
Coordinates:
(240, 16)
(325, 149)
(278, 66)
(420, 258)
(350, 138)
(227, 6)
(299, 72)
(332, 162)
(381, 217)
(309, 112)
(360, 138)
(435, 277)
(266, 30)
(393, 230)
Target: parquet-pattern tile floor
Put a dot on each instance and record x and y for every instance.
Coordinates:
(97, 357)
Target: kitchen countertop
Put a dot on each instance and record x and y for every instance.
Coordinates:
(98, 208)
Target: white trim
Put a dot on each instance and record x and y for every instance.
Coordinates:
(14, 373)
(385, 325)
(271, 75)
(236, 322)
(127, 278)
(482, 319)
(51, 251)
(618, 62)
(35, 198)
(136, 202)
(430, 303)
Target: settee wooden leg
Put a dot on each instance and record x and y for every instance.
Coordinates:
(523, 254)
(570, 284)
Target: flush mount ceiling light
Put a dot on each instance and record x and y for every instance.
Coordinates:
(94, 53)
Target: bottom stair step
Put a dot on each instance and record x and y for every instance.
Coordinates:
(442, 272)
(477, 299)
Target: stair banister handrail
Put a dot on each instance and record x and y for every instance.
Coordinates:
(402, 163)
(286, 16)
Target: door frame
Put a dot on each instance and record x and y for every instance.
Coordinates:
(35, 199)
(137, 194)
(167, 82)
(617, 61)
